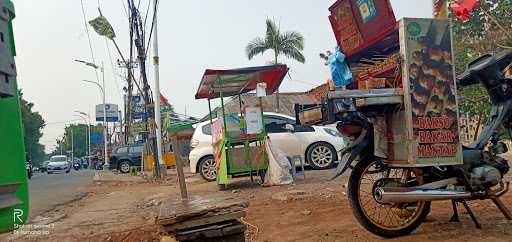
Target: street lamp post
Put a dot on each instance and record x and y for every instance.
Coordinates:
(72, 146)
(82, 115)
(102, 88)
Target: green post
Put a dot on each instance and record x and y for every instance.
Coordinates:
(13, 178)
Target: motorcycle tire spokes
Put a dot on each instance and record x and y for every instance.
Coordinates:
(388, 216)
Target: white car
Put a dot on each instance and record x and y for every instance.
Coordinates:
(58, 164)
(318, 145)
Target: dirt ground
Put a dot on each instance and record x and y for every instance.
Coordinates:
(126, 210)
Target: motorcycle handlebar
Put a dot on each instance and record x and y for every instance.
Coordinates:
(471, 76)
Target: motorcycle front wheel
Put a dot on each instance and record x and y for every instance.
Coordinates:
(384, 219)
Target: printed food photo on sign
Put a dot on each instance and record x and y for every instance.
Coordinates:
(432, 89)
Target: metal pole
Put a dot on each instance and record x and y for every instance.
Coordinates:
(105, 156)
(72, 147)
(179, 167)
(88, 142)
(156, 65)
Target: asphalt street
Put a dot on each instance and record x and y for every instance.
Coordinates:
(47, 191)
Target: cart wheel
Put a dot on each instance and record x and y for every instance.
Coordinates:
(262, 174)
(222, 187)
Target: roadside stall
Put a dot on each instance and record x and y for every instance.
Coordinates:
(238, 138)
(403, 80)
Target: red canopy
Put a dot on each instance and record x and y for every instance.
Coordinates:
(237, 81)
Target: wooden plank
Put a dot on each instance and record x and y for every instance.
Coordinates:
(204, 221)
(174, 211)
(212, 231)
(356, 93)
(372, 101)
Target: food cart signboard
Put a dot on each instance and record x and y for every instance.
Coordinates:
(430, 93)
(253, 120)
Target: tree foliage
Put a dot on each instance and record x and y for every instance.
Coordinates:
(289, 44)
(480, 35)
(75, 135)
(33, 124)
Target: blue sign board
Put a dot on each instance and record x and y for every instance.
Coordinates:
(96, 138)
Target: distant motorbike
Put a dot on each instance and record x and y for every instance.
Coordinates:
(76, 166)
(29, 170)
(392, 201)
(98, 165)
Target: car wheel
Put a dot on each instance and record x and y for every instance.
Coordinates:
(321, 156)
(208, 169)
(49, 173)
(124, 166)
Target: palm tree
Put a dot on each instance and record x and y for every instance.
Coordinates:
(290, 44)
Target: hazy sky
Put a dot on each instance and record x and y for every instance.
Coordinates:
(194, 35)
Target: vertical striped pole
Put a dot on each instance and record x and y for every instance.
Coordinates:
(440, 9)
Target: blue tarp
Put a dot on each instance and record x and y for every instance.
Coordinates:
(341, 74)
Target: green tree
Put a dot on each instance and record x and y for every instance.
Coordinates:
(33, 124)
(487, 31)
(289, 43)
(75, 135)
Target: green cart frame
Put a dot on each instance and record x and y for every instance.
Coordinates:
(235, 151)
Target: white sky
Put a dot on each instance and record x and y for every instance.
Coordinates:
(194, 35)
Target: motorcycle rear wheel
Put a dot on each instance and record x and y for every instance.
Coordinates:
(386, 220)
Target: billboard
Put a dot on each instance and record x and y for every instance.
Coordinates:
(137, 108)
(430, 94)
(138, 111)
(112, 111)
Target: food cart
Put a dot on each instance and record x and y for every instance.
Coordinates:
(238, 138)
(403, 81)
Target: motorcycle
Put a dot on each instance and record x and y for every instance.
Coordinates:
(392, 201)
(30, 170)
(76, 165)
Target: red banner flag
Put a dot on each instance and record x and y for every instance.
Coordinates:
(163, 99)
(462, 8)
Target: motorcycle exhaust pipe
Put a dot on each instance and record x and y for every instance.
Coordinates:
(404, 194)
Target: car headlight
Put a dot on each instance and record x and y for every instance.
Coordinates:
(333, 132)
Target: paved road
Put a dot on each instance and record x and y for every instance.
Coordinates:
(47, 191)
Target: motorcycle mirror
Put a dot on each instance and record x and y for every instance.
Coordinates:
(500, 148)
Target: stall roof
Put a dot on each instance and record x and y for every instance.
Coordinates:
(238, 81)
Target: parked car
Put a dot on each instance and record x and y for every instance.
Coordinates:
(318, 145)
(124, 157)
(58, 164)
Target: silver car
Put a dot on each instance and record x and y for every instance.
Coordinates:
(58, 164)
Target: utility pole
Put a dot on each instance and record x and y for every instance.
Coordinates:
(72, 146)
(136, 32)
(88, 139)
(102, 89)
(129, 65)
(60, 144)
(156, 65)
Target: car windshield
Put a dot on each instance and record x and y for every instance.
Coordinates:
(58, 158)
